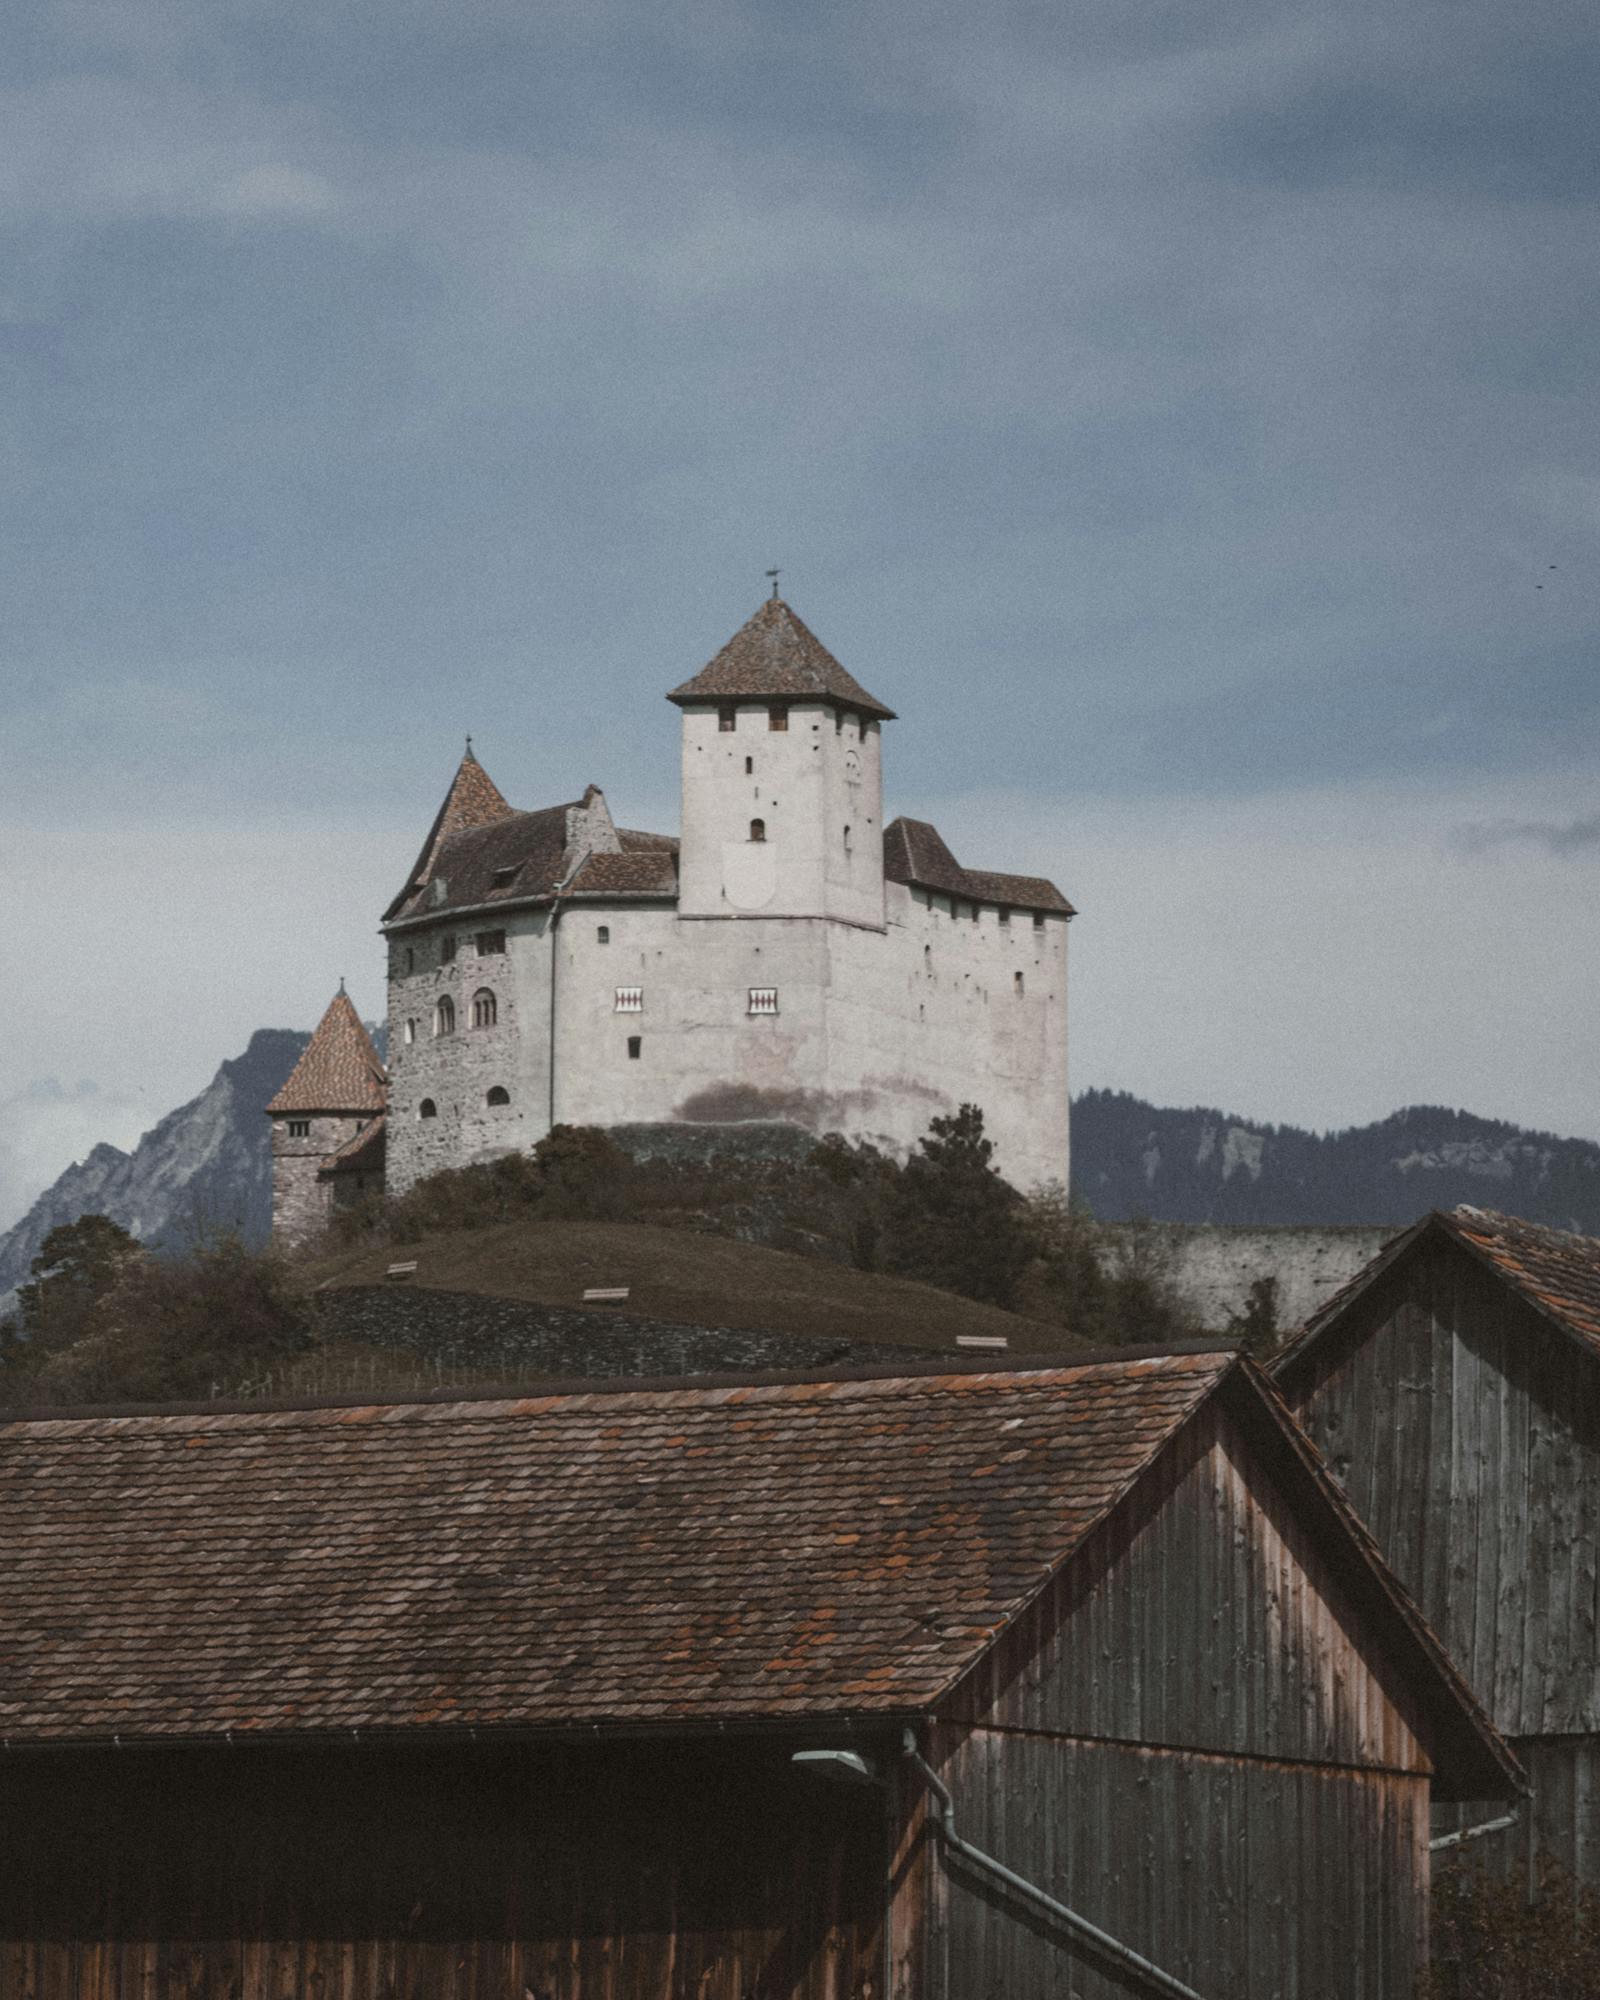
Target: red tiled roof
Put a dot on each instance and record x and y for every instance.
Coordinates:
(671, 1554)
(913, 852)
(1556, 1272)
(774, 654)
(338, 1069)
(472, 800)
(517, 858)
(648, 872)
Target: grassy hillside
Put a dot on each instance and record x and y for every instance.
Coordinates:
(675, 1274)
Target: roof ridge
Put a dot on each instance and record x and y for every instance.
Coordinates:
(775, 653)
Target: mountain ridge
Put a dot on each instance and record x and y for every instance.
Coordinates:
(208, 1163)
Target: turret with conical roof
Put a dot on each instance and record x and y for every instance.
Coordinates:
(782, 780)
(327, 1126)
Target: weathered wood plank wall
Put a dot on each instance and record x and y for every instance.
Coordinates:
(1467, 1434)
(1241, 1797)
(627, 1873)
(1251, 1880)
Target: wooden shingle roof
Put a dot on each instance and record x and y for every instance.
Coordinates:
(638, 1556)
(680, 1556)
(338, 1069)
(774, 655)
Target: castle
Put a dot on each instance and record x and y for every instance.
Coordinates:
(788, 957)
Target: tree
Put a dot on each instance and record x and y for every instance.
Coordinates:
(952, 1220)
(1256, 1329)
(78, 1263)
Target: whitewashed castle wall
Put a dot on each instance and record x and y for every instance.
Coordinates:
(876, 1032)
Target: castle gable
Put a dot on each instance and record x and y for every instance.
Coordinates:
(473, 799)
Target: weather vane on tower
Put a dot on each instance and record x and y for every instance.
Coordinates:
(774, 575)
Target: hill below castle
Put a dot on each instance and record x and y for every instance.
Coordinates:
(208, 1163)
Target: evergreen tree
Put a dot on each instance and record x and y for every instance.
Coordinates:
(952, 1220)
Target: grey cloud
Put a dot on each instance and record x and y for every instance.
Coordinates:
(1561, 837)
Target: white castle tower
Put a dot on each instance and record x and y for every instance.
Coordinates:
(782, 781)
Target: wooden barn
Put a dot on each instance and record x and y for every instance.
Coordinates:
(1072, 1681)
(1454, 1388)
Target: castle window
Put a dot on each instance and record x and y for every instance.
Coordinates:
(411, 958)
(778, 715)
(490, 942)
(838, 722)
(847, 840)
(1016, 981)
(410, 1032)
(630, 1000)
(444, 1016)
(1005, 917)
(749, 767)
(635, 1047)
(427, 1108)
(763, 1000)
(603, 934)
(498, 1095)
(1038, 922)
(485, 1009)
(299, 1128)
(727, 717)
(447, 947)
(758, 829)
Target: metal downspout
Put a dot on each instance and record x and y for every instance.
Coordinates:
(557, 906)
(1110, 1947)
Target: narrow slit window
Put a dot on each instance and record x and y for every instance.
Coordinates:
(847, 840)
(763, 1000)
(447, 947)
(410, 1032)
(630, 1000)
(635, 1047)
(411, 958)
(485, 1008)
(758, 829)
(749, 767)
(1016, 981)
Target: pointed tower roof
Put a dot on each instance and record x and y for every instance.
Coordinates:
(339, 1070)
(775, 656)
(472, 800)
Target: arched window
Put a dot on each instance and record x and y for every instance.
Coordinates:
(484, 1009)
(758, 829)
(444, 1016)
(498, 1095)
(427, 1108)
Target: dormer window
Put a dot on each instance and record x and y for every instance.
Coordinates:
(502, 878)
(727, 718)
(758, 829)
(778, 715)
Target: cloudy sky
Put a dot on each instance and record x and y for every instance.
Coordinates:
(1186, 416)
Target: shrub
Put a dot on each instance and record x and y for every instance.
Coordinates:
(1489, 1942)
